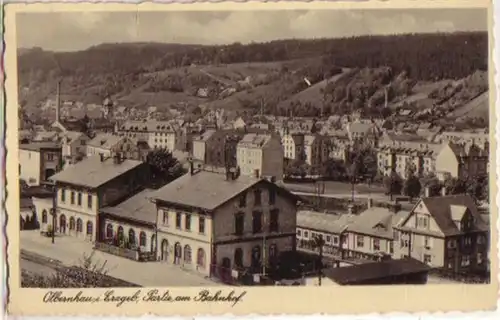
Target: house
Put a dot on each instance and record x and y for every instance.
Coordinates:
(316, 150)
(159, 134)
(239, 123)
(331, 227)
(74, 146)
(214, 223)
(371, 235)
(130, 224)
(38, 161)
(260, 155)
(444, 232)
(461, 161)
(293, 145)
(200, 145)
(109, 144)
(388, 272)
(367, 132)
(89, 185)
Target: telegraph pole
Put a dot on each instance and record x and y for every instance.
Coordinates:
(53, 212)
(264, 247)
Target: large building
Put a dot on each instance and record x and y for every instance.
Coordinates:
(159, 134)
(38, 161)
(444, 232)
(459, 161)
(212, 222)
(89, 185)
(260, 155)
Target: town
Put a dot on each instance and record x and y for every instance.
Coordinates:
(370, 184)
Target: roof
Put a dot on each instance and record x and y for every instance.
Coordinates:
(207, 190)
(138, 208)
(91, 172)
(105, 140)
(441, 209)
(323, 221)
(38, 146)
(254, 140)
(149, 126)
(358, 274)
(309, 139)
(205, 135)
(377, 221)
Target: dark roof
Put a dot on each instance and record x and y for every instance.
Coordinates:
(37, 146)
(441, 210)
(92, 172)
(138, 208)
(376, 270)
(208, 190)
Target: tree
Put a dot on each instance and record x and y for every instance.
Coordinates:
(164, 167)
(393, 184)
(412, 187)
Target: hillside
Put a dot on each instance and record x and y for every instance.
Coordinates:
(345, 75)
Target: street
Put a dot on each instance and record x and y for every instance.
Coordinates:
(71, 251)
(336, 187)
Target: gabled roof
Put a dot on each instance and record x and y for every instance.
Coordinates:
(254, 140)
(92, 173)
(38, 146)
(208, 190)
(105, 140)
(323, 221)
(377, 221)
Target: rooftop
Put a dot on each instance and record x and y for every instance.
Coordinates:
(138, 208)
(38, 146)
(93, 173)
(105, 140)
(377, 221)
(324, 221)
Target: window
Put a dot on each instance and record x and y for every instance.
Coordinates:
(257, 197)
(273, 251)
(82, 142)
(187, 254)
(335, 240)
(306, 234)
(360, 241)
(90, 227)
(201, 225)
(79, 225)
(200, 258)
(187, 222)
(391, 247)
(109, 230)
(243, 200)
(299, 232)
(404, 243)
(238, 257)
(272, 196)
(131, 236)
(480, 259)
(274, 223)
(178, 220)
(79, 199)
(465, 261)
(50, 157)
(427, 258)
(142, 239)
(239, 223)
(427, 242)
(44, 216)
(72, 197)
(328, 238)
(396, 236)
(452, 244)
(480, 239)
(256, 221)
(376, 244)
(164, 217)
(467, 241)
(89, 201)
(63, 195)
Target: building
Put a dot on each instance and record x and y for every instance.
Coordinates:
(38, 161)
(389, 272)
(130, 225)
(260, 155)
(200, 145)
(371, 235)
(316, 150)
(360, 131)
(444, 232)
(331, 227)
(109, 144)
(159, 134)
(293, 146)
(89, 185)
(74, 146)
(214, 223)
(459, 161)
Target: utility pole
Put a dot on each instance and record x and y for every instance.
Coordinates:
(53, 212)
(264, 246)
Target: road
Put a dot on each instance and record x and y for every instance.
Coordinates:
(70, 251)
(336, 187)
(35, 267)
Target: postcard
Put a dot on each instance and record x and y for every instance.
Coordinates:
(250, 158)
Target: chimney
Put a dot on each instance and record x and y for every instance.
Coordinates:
(443, 191)
(191, 167)
(427, 192)
(256, 173)
(101, 156)
(370, 203)
(350, 208)
(58, 101)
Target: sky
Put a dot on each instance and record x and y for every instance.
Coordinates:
(72, 31)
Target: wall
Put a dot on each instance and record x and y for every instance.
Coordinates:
(446, 161)
(150, 233)
(29, 162)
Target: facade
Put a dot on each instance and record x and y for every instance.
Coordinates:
(159, 134)
(261, 156)
(316, 150)
(461, 161)
(38, 161)
(293, 145)
(89, 185)
(444, 232)
(110, 144)
(210, 222)
(200, 145)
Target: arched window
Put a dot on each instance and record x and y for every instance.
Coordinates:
(238, 257)
(187, 254)
(109, 231)
(72, 223)
(131, 236)
(142, 239)
(79, 225)
(90, 227)
(44, 216)
(153, 243)
(273, 251)
(200, 258)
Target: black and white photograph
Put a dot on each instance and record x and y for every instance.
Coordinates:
(314, 148)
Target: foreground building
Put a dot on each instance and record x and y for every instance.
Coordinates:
(216, 223)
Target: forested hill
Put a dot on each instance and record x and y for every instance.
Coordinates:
(118, 69)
